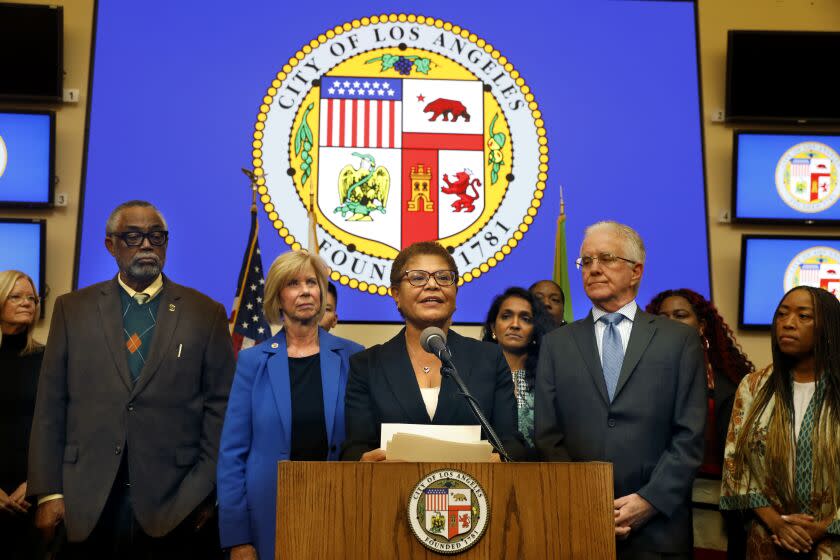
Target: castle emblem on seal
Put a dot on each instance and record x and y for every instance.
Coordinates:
(806, 177)
(818, 267)
(448, 511)
(394, 129)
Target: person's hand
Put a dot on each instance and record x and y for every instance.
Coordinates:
(243, 552)
(373, 456)
(815, 529)
(620, 532)
(9, 505)
(631, 513)
(790, 537)
(48, 516)
(19, 496)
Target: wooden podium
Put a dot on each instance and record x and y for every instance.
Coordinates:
(360, 510)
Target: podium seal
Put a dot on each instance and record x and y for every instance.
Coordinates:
(448, 511)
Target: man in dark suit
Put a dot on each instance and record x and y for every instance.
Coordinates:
(626, 387)
(130, 405)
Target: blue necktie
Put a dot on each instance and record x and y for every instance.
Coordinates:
(612, 351)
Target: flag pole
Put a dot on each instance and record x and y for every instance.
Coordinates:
(561, 260)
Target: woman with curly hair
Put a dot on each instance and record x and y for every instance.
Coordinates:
(783, 446)
(726, 364)
(517, 322)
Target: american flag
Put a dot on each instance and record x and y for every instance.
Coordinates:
(437, 499)
(360, 113)
(247, 322)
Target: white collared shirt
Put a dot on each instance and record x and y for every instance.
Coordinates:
(624, 327)
(152, 289)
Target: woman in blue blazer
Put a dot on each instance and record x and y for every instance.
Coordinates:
(286, 403)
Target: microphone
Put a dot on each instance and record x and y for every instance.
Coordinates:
(433, 341)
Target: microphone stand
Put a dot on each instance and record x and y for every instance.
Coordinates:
(448, 370)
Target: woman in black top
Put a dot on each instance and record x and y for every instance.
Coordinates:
(20, 362)
(398, 382)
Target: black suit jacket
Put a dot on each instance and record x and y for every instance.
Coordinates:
(652, 431)
(382, 388)
(89, 413)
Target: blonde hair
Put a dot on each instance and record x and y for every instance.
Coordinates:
(8, 279)
(633, 243)
(282, 270)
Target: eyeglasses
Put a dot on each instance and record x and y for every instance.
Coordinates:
(135, 238)
(606, 259)
(419, 278)
(17, 299)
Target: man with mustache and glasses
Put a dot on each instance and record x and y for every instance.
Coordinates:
(130, 403)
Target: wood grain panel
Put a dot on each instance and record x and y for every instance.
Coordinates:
(557, 511)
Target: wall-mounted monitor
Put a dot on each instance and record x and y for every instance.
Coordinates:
(786, 178)
(27, 158)
(773, 264)
(31, 52)
(23, 243)
(783, 76)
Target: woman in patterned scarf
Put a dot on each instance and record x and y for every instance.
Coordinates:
(783, 446)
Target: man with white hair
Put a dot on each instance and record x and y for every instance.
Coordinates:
(626, 387)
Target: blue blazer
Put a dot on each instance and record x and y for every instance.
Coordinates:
(257, 434)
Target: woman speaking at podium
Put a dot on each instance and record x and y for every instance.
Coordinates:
(399, 382)
(286, 403)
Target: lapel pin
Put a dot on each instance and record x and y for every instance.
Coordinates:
(171, 307)
(275, 345)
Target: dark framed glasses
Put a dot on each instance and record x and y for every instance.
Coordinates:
(606, 259)
(135, 238)
(419, 278)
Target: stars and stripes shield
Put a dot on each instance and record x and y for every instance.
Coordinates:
(448, 511)
(400, 160)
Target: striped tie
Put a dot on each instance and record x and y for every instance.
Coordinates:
(612, 351)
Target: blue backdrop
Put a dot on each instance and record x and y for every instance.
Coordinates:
(177, 85)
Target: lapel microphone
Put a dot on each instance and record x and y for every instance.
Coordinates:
(433, 341)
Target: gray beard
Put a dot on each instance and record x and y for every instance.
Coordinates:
(143, 273)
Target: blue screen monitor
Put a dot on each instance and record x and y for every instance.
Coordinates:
(27, 158)
(771, 265)
(23, 243)
(786, 178)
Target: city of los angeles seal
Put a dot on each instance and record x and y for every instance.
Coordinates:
(397, 128)
(448, 511)
(818, 267)
(806, 177)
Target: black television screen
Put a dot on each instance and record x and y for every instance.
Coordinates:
(782, 76)
(783, 177)
(27, 158)
(31, 45)
(23, 243)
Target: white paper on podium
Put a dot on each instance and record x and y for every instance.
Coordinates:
(458, 434)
